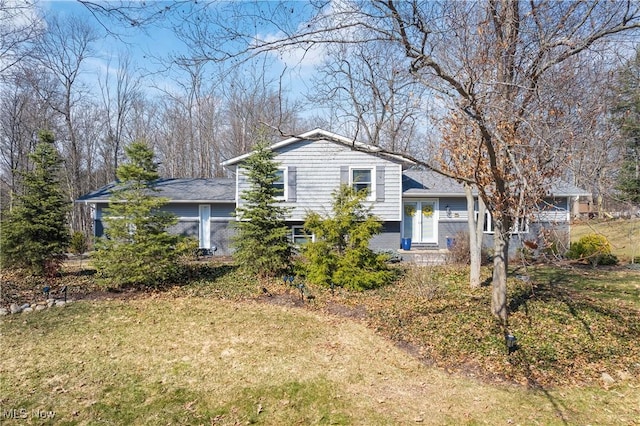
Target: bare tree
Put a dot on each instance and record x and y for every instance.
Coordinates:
(118, 98)
(364, 87)
(20, 26)
(62, 51)
(252, 101)
(22, 115)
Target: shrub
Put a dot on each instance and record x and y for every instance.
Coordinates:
(594, 248)
(340, 253)
(459, 250)
(79, 243)
(187, 248)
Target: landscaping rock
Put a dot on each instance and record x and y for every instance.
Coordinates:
(40, 308)
(607, 379)
(60, 303)
(3, 312)
(27, 310)
(15, 309)
(25, 306)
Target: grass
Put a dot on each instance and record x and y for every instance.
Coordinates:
(571, 324)
(193, 360)
(623, 234)
(219, 350)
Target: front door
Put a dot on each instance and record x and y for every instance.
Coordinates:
(420, 221)
(204, 231)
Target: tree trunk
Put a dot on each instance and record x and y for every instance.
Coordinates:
(476, 232)
(500, 265)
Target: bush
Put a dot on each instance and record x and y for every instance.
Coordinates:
(187, 249)
(79, 243)
(594, 248)
(340, 254)
(459, 251)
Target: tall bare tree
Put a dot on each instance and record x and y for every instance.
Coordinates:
(363, 86)
(62, 51)
(118, 98)
(22, 116)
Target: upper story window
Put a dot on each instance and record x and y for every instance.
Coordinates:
(280, 184)
(362, 180)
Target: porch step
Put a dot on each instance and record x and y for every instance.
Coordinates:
(432, 256)
(424, 246)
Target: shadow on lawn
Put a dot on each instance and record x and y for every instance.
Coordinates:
(565, 288)
(520, 357)
(566, 323)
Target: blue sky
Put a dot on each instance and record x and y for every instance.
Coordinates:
(155, 42)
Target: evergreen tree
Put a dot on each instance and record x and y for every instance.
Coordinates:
(35, 233)
(627, 113)
(262, 244)
(136, 248)
(340, 253)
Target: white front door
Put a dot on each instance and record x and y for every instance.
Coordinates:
(204, 231)
(420, 221)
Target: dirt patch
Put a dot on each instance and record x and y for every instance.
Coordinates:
(358, 312)
(281, 299)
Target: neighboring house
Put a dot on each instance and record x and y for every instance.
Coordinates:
(411, 203)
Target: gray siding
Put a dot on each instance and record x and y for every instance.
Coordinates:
(318, 173)
(388, 239)
(189, 222)
(457, 207)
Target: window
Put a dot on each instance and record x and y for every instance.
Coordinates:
(280, 184)
(521, 226)
(299, 236)
(361, 180)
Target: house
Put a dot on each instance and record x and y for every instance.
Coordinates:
(411, 203)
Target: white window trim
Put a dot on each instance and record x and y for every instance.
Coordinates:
(285, 177)
(372, 192)
(293, 235)
(488, 223)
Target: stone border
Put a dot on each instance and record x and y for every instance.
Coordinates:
(14, 308)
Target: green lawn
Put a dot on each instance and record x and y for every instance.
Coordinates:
(424, 350)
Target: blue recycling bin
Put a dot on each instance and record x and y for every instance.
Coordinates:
(450, 242)
(406, 243)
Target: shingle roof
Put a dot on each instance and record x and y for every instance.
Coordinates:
(178, 190)
(424, 182)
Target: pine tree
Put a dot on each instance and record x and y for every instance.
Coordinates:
(35, 233)
(136, 248)
(340, 253)
(262, 244)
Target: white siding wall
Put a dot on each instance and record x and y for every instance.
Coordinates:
(317, 169)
